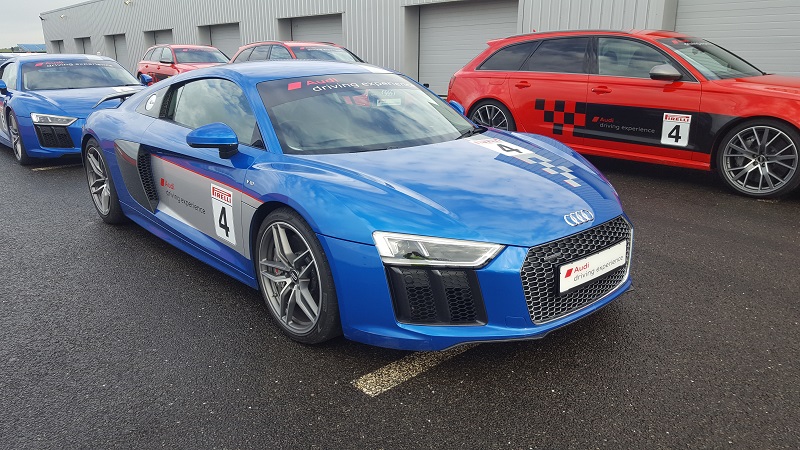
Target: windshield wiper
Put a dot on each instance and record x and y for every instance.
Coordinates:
(472, 132)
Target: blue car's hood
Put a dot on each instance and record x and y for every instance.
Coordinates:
(469, 189)
(77, 102)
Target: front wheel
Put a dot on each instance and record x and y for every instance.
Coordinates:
(760, 158)
(295, 279)
(493, 114)
(16, 141)
(101, 186)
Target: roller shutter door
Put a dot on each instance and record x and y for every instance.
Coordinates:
(318, 29)
(451, 34)
(226, 38)
(162, 37)
(84, 45)
(121, 51)
(765, 33)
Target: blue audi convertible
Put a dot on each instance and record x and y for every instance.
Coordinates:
(359, 203)
(44, 101)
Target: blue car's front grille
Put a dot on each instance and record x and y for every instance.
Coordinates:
(540, 271)
(436, 297)
(53, 136)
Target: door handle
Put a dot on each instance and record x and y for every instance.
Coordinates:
(522, 84)
(601, 90)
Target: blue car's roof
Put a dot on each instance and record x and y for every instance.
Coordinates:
(257, 72)
(60, 57)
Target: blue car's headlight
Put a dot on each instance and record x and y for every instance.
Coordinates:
(406, 249)
(49, 119)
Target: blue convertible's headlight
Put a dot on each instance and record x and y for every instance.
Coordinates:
(49, 119)
(406, 249)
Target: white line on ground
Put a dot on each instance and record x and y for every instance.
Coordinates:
(404, 369)
(39, 169)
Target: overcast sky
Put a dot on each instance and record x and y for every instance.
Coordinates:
(21, 24)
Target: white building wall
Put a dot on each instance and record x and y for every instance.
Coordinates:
(382, 32)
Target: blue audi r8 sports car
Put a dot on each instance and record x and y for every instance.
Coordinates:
(358, 202)
(44, 101)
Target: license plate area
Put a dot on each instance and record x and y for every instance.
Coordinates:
(575, 274)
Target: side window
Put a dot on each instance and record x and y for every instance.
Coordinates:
(509, 58)
(152, 105)
(166, 55)
(565, 55)
(244, 55)
(627, 58)
(260, 53)
(156, 54)
(10, 76)
(210, 100)
(148, 55)
(279, 52)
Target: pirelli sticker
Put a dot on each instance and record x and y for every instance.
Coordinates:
(222, 205)
(675, 129)
(529, 157)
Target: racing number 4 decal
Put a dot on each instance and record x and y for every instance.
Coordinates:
(675, 129)
(222, 207)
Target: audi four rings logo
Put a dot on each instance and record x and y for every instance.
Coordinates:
(576, 218)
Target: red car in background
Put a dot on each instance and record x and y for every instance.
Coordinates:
(652, 96)
(164, 61)
(272, 50)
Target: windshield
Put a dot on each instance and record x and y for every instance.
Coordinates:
(356, 113)
(80, 74)
(325, 52)
(712, 61)
(200, 55)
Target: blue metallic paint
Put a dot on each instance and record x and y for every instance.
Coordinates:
(65, 102)
(436, 190)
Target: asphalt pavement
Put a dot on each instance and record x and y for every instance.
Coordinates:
(111, 338)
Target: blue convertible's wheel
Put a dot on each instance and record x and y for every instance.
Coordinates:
(295, 280)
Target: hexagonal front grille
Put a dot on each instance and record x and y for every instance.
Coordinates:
(540, 271)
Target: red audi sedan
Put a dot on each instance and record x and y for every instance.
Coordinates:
(652, 96)
(272, 50)
(164, 61)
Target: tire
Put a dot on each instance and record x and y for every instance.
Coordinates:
(295, 280)
(493, 114)
(17, 146)
(760, 158)
(101, 186)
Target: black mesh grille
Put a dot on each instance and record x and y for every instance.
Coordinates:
(540, 271)
(436, 297)
(146, 174)
(53, 137)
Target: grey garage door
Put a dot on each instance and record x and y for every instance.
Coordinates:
(451, 34)
(765, 33)
(121, 50)
(326, 28)
(161, 37)
(226, 38)
(84, 45)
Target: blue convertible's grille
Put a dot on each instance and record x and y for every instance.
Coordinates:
(53, 136)
(540, 271)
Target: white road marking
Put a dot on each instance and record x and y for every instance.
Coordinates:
(404, 369)
(66, 166)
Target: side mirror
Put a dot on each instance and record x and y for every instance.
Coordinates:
(665, 72)
(3, 88)
(458, 107)
(215, 135)
(165, 61)
(146, 80)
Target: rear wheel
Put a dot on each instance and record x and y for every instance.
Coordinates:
(760, 158)
(295, 280)
(16, 141)
(101, 186)
(493, 114)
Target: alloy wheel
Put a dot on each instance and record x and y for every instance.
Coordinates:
(98, 180)
(290, 277)
(760, 160)
(490, 115)
(16, 141)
